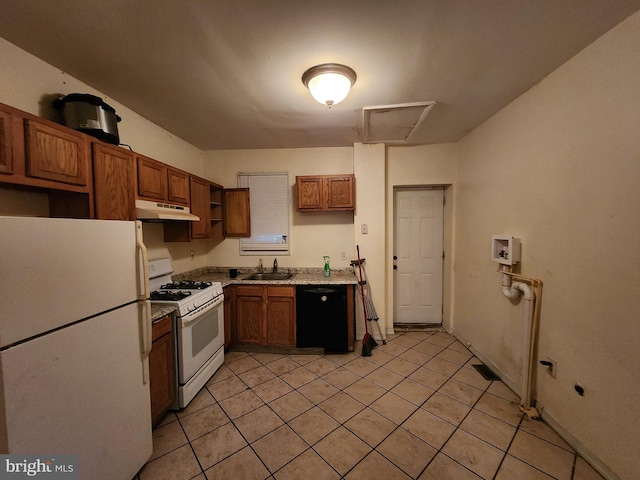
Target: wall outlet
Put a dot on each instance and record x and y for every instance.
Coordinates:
(343, 255)
(364, 229)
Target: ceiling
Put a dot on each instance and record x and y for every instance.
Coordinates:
(226, 74)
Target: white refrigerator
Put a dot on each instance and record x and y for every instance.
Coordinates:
(75, 334)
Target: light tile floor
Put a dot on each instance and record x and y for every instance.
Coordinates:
(414, 409)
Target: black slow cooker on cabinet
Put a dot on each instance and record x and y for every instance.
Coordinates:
(89, 114)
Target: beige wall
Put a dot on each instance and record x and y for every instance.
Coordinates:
(31, 84)
(560, 168)
(426, 165)
(369, 168)
(312, 234)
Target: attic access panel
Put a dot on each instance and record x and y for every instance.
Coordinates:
(393, 123)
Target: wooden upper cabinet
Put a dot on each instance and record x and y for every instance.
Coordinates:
(236, 213)
(113, 183)
(6, 142)
(340, 192)
(200, 199)
(179, 186)
(158, 181)
(56, 153)
(152, 179)
(309, 193)
(326, 193)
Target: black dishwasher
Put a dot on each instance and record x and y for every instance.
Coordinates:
(321, 317)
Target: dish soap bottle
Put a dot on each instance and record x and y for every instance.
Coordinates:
(327, 268)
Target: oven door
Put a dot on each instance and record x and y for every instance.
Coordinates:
(199, 338)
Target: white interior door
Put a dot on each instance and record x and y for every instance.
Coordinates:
(418, 257)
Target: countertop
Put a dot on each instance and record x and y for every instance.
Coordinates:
(301, 276)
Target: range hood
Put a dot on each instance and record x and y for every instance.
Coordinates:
(160, 211)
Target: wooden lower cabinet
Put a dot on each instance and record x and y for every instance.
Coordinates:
(281, 316)
(249, 314)
(229, 316)
(161, 369)
(265, 315)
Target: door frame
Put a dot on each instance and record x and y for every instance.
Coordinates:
(447, 271)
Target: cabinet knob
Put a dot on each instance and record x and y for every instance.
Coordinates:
(323, 298)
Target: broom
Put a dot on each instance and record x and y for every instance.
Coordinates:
(368, 343)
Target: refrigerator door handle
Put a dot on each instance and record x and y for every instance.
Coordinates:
(146, 330)
(143, 264)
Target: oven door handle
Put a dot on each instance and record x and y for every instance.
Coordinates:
(196, 315)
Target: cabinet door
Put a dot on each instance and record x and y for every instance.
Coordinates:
(152, 179)
(237, 212)
(340, 192)
(200, 207)
(161, 369)
(57, 154)
(229, 316)
(6, 142)
(249, 319)
(309, 193)
(113, 183)
(178, 183)
(281, 308)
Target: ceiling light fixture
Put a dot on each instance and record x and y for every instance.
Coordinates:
(329, 83)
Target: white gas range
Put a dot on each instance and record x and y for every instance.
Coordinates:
(199, 327)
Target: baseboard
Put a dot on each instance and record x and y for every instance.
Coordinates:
(588, 456)
(418, 327)
(549, 419)
(506, 379)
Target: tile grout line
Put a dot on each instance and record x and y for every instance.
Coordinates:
(506, 452)
(457, 426)
(360, 377)
(418, 407)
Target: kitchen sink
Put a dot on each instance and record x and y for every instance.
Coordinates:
(270, 276)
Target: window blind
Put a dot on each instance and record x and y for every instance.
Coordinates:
(269, 200)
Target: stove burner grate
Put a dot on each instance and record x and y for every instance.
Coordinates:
(169, 296)
(186, 285)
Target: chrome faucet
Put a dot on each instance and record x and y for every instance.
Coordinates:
(275, 265)
(260, 267)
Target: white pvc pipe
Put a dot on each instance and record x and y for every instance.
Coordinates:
(527, 370)
(512, 290)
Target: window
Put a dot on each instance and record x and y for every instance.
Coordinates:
(269, 198)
